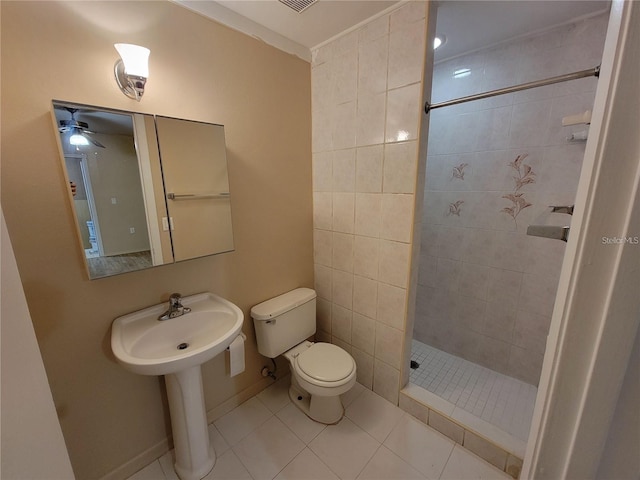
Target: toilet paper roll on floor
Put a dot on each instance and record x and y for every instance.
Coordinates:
(236, 355)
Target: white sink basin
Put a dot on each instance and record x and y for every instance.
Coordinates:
(148, 346)
(176, 348)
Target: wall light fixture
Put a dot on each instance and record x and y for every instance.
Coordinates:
(132, 69)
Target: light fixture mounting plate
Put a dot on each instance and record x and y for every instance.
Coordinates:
(131, 85)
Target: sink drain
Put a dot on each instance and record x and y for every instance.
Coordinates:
(182, 346)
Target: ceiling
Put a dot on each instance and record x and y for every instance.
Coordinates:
(106, 122)
(470, 25)
(467, 25)
(321, 21)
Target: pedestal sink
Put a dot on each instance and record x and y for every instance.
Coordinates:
(176, 348)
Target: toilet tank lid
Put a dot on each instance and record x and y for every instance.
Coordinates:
(282, 303)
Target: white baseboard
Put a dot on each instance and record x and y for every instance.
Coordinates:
(241, 397)
(140, 461)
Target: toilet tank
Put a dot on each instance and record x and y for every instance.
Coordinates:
(284, 321)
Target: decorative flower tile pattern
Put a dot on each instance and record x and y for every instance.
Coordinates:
(458, 172)
(454, 208)
(525, 176)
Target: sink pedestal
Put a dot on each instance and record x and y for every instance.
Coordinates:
(176, 348)
(195, 456)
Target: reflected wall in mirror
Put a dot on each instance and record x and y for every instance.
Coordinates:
(113, 164)
(194, 164)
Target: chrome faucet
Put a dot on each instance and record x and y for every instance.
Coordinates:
(175, 308)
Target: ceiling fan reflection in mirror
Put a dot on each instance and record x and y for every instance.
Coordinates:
(80, 135)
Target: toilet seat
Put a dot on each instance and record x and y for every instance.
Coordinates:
(325, 364)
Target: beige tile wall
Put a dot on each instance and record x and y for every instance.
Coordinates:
(366, 107)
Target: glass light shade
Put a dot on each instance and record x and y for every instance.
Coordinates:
(439, 40)
(135, 59)
(77, 139)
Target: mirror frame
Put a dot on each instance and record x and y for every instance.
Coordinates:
(152, 178)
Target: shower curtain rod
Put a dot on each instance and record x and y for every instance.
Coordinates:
(591, 72)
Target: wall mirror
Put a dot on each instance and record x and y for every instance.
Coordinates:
(146, 190)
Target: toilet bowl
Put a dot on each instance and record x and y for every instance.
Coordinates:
(320, 372)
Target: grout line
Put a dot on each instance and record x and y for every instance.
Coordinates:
(490, 396)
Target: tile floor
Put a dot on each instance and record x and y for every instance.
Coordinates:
(267, 437)
(498, 399)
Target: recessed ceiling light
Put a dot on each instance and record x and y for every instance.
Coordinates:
(439, 41)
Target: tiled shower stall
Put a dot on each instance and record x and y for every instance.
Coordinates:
(486, 289)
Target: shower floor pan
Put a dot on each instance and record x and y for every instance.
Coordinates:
(486, 401)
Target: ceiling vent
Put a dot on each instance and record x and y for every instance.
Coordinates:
(298, 5)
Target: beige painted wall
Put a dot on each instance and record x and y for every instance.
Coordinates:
(113, 173)
(620, 455)
(194, 161)
(198, 70)
(33, 429)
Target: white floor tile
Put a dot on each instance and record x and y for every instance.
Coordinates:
(268, 449)
(242, 420)
(217, 440)
(304, 428)
(419, 445)
(345, 448)
(228, 467)
(352, 394)
(166, 462)
(267, 446)
(276, 396)
(374, 414)
(386, 465)
(153, 471)
(306, 466)
(464, 465)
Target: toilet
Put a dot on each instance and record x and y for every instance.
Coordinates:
(320, 372)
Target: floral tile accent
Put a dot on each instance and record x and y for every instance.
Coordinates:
(458, 172)
(525, 176)
(454, 208)
(519, 204)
